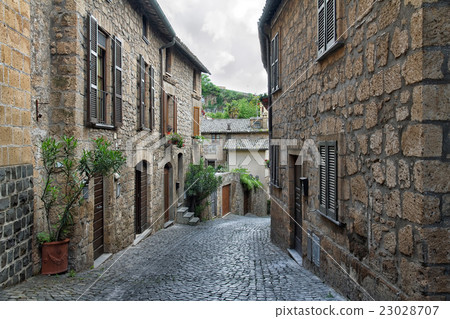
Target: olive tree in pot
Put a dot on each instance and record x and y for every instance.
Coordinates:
(65, 177)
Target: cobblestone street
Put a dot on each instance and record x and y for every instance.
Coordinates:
(224, 259)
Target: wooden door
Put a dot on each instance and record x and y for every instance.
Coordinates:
(225, 200)
(141, 198)
(166, 193)
(298, 210)
(98, 217)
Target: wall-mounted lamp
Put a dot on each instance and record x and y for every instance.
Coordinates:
(304, 182)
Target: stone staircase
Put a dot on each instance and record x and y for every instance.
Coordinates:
(185, 217)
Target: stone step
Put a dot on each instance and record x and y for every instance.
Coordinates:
(188, 215)
(182, 210)
(168, 224)
(194, 221)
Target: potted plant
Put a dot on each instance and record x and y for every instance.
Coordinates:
(64, 181)
(175, 139)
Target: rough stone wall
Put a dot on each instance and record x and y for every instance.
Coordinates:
(383, 96)
(16, 173)
(60, 79)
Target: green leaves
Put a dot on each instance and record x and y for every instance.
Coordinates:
(247, 180)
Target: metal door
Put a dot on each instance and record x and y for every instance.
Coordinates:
(98, 217)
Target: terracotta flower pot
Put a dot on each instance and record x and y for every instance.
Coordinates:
(55, 257)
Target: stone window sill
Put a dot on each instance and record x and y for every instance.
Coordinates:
(336, 222)
(334, 47)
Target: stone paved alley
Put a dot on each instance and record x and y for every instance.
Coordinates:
(224, 259)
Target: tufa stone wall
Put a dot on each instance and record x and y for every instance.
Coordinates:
(383, 96)
(60, 79)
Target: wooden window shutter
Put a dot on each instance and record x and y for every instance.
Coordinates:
(117, 81)
(196, 123)
(175, 114)
(328, 179)
(321, 27)
(92, 73)
(152, 98)
(141, 92)
(164, 113)
(330, 30)
(332, 181)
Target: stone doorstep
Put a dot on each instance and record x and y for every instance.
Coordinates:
(188, 215)
(100, 260)
(182, 210)
(296, 256)
(194, 221)
(168, 224)
(141, 237)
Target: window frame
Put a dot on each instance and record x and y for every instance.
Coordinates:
(169, 61)
(196, 121)
(145, 29)
(327, 39)
(328, 176)
(112, 50)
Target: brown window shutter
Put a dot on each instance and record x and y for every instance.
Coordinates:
(117, 81)
(92, 74)
(164, 113)
(142, 92)
(196, 121)
(152, 98)
(175, 114)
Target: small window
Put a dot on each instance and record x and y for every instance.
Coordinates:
(170, 114)
(275, 72)
(142, 89)
(275, 165)
(144, 28)
(215, 137)
(196, 81)
(169, 59)
(328, 179)
(326, 25)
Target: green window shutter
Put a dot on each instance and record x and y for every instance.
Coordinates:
(117, 81)
(92, 73)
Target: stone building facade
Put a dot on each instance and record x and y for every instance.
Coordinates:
(16, 170)
(359, 91)
(115, 69)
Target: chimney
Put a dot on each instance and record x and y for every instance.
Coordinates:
(229, 126)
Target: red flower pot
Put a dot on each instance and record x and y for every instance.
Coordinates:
(55, 257)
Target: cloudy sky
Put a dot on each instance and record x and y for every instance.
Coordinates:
(223, 34)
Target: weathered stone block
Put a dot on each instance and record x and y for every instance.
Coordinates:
(404, 178)
(420, 209)
(399, 43)
(392, 79)
(382, 49)
(392, 140)
(431, 102)
(393, 204)
(391, 174)
(432, 176)
(371, 115)
(390, 242)
(422, 140)
(432, 65)
(406, 240)
(378, 173)
(412, 69)
(435, 26)
(435, 240)
(389, 13)
(376, 84)
(359, 189)
(376, 142)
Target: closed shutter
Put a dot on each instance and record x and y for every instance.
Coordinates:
(196, 131)
(331, 187)
(321, 27)
(328, 179)
(274, 165)
(92, 74)
(275, 67)
(330, 30)
(142, 91)
(175, 114)
(164, 113)
(117, 81)
(152, 98)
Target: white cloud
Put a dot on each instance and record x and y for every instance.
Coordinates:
(222, 60)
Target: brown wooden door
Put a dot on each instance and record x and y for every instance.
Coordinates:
(98, 217)
(141, 198)
(166, 194)
(225, 200)
(298, 210)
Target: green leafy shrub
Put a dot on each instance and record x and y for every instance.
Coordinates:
(200, 183)
(247, 180)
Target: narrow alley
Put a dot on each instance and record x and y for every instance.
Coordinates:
(224, 259)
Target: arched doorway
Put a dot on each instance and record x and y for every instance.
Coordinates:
(141, 199)
(168, 194)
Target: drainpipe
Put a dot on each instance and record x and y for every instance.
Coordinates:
(162, 72)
